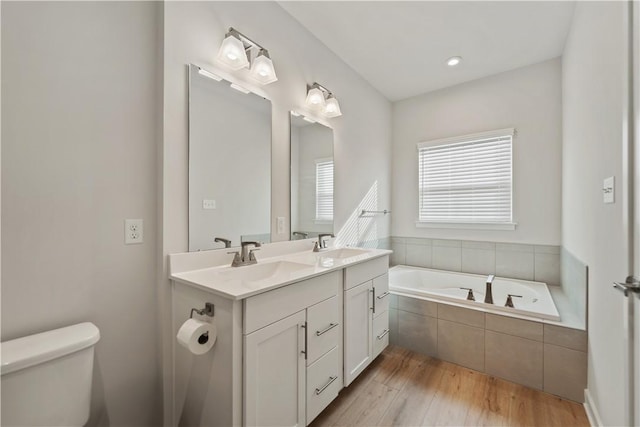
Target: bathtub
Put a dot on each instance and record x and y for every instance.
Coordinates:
(444, 286)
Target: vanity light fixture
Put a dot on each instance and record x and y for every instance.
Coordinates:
(454, 60)
(239, 51)
(332, 108)
(262, 68)
(315, 98)
(209, 74)
(321, 98)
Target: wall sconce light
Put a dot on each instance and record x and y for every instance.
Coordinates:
(321, 98)
(239, 51)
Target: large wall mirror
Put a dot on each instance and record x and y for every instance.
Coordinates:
(229, 164)
(311, 178)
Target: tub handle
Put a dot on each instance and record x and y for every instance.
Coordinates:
(382, 295)
(509, 302)
(470, 296)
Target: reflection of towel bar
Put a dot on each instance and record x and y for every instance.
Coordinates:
(365, 212)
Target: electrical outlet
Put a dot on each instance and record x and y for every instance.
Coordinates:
(133, 231)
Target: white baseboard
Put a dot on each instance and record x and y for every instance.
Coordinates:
(591, 410)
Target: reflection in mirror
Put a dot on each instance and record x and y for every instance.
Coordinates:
(229, 164)
(311, 178)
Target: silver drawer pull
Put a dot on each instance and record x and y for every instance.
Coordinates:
(327, 329)
(331, 379)
(385, 332)
(382, 295)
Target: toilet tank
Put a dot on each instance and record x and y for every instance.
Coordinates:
(46, 377)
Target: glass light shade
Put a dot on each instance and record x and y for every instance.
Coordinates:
(332, 108)
(315, 98)
(232, 53)
(262, 69)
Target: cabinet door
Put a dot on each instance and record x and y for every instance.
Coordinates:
(358, 316)
(274, 374)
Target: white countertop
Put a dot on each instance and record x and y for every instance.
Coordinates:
(214, 278)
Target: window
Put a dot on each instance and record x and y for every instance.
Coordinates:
(466, 182)
(324, 190)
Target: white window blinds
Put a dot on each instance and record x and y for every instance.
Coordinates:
(466, 179)
(324, 190)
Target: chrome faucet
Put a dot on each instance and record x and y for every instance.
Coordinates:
(488, 294)
(227, 242)
(246, 256)
(321, 244)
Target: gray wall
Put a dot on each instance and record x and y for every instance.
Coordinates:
(528, 99)
(79, 142)
(593, 95)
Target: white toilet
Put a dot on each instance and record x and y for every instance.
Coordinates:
(46, 377)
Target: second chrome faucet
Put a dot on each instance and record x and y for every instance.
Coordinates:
(246, 255)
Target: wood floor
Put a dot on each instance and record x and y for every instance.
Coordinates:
(403, 388)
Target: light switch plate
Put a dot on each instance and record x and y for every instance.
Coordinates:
(608, 190)
(280, 225)
(208, 204)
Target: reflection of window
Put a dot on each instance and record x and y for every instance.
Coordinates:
(466, 180)
(324, 190)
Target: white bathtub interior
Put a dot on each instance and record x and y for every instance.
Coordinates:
(535, 300)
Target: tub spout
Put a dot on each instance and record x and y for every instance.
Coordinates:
(488, 294)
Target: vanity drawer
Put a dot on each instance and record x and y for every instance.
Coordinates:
(380, 333)
(324, 381)
(381, 293)
(323, 328)
(266, 308)
(362, 272)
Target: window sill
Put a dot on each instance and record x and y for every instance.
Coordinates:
(468, 225)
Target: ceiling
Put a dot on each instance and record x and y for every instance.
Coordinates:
(401, 47)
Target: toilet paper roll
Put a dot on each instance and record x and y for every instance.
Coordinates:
(197, 336)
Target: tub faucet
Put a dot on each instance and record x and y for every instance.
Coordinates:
(488, 294)
(321, 244)
(246, 256)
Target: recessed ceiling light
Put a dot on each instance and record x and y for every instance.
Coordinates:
(453, 61)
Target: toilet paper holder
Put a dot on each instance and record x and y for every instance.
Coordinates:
(206, 311)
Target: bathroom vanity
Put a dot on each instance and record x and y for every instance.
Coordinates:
(292, 331)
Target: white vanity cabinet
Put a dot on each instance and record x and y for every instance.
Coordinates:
(366, 315)
(292, 364)
(287, 343)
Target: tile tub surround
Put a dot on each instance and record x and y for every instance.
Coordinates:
(539, 263)
(542, 356)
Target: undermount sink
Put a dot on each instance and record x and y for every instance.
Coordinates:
(343, 253)
(264, 271)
